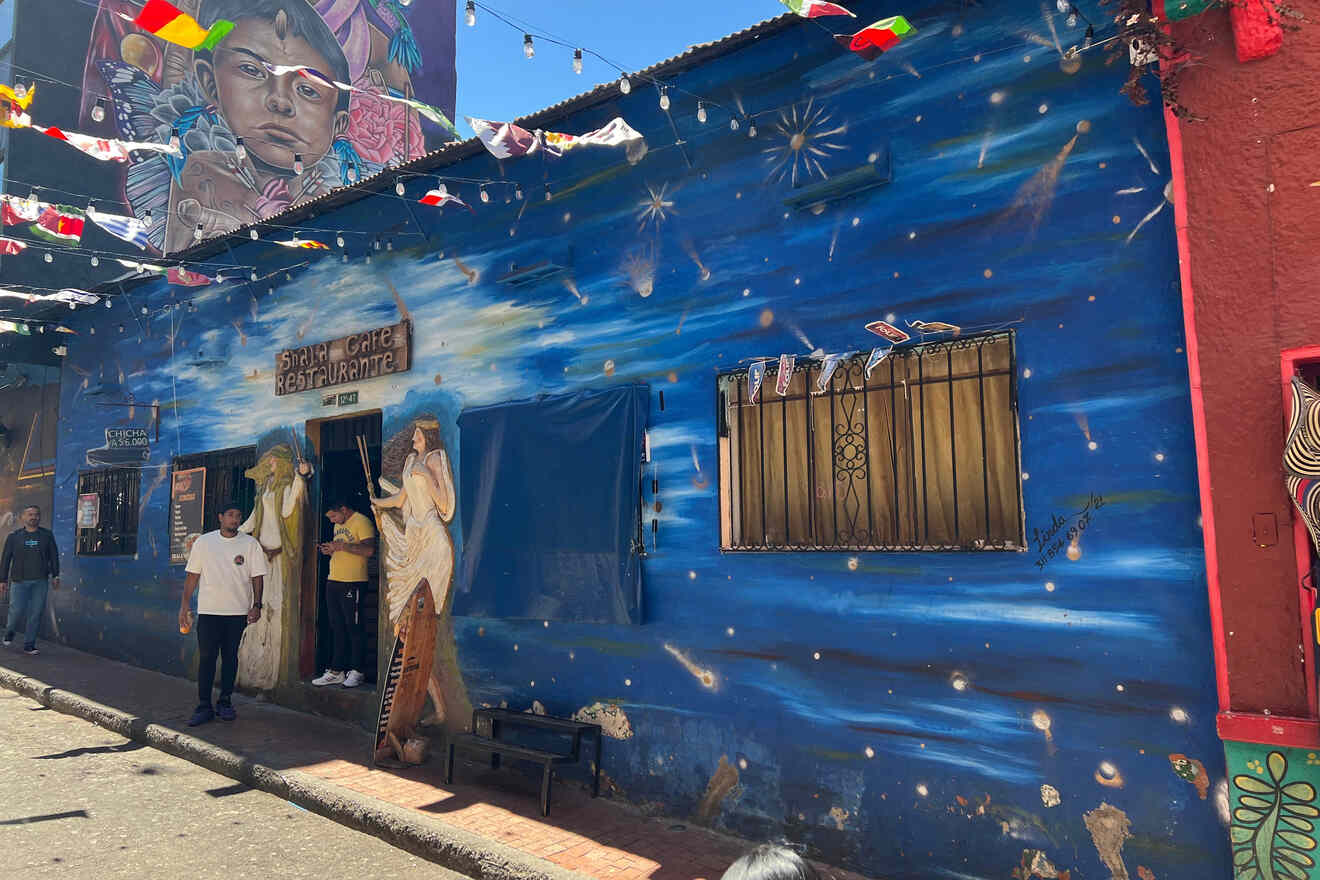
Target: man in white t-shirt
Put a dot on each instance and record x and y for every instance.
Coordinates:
(227, 569)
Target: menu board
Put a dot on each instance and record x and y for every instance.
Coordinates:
(89, 511)
(187, 511)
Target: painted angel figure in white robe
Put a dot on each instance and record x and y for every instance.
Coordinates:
(421, 550)
(277, 523)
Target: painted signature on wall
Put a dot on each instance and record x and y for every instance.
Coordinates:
(1053, 538)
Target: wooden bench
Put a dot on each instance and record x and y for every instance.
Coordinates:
(495, 747)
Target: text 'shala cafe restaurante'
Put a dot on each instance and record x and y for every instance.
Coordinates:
(742, 363)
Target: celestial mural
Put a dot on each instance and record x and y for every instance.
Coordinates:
(1047, 712)
(256, 140)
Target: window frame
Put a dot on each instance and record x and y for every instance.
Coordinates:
(726, 464)
(105, 475)
(205, 459)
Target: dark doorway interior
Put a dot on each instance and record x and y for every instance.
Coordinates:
(340, 469)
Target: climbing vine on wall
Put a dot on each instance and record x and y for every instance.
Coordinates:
(1273, 827)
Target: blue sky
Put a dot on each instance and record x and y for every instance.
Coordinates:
(495, 81)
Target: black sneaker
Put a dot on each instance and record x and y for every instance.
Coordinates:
(201, 716)
(225, 712)
(9, 639)
(31, 650)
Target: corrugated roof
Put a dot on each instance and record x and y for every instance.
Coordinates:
(456, 151)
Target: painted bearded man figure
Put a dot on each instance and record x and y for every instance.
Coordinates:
(277, 524)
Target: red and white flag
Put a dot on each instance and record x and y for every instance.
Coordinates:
(106, 149)
(437, 199)
(14, 210)
(11, 246)
(180, 275)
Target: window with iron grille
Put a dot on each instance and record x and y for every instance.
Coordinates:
(116, 531)
(225, 480)
(923, 454)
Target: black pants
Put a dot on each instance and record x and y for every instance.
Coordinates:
(346, 636)
(218, 635)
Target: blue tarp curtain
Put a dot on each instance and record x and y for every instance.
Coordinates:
(549, 497)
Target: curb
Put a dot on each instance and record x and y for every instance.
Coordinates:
(471, 854)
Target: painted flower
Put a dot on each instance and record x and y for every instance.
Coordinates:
(380, 130)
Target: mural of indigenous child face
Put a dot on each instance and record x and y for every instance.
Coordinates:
(278, 117)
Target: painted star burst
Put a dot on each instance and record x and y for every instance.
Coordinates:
(657, 206)
(806, 141)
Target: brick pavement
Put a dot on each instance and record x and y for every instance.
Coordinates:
(594, 837)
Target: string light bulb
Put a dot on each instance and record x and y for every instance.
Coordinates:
(625, 84)
(547, 192)
(339, 239)
(146, 216)
(1090, 37)
(398, 187)
(528, 49)
(440, 186)
(517, 191)
(485, 196)
(1063, 6)
(98, 112)
(20, 90)
(377, 244)
(96, 261)
(297, 163)
(48, 257)
(733, 124)
(470, 14)
(107, 303)
(751, 129)
(577, 61)
(701, 112)
(174, 138)
(664, 98)
(252, 234)
(1071, 20)
(197, 233)
(32, 200)
(239, 150)
(389, 244)
(253, 276)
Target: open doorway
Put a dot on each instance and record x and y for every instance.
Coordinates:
(341, 476)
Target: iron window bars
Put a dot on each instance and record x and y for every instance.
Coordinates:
(117, 526)
(922, 455)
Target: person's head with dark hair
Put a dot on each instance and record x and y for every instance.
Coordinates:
(339, 509)
(769, 862)
(31, 517)
(278, 117)
(231, 516)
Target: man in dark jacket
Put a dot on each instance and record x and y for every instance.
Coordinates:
(29, 559)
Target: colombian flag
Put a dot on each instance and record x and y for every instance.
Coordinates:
(167, 22)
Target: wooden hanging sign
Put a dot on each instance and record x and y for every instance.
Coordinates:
(352, 358)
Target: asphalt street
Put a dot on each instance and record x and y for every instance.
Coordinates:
(77, 800)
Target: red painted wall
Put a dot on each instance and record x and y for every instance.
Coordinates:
(1253, 238)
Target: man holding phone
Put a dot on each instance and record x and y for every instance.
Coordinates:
(354, 543)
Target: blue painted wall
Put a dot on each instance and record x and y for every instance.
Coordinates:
(1017, 180)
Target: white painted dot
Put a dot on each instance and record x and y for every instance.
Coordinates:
(856, 221)
(797, 281)
(515, 646)
(1049, 586)
(567, 216)
(627, 682)
(869, 752)
(692, 575)
(918, 119)
(1092, 445)
(1108, 770)
(1119, 688)
(976, 59)
(1026, 476)
(959, 682)
(531, 683)
(852, 563)
(816, 655)
(1178, 714)
(997, 97)
(1026, 373)
(742, 763)
(922, 789)
(1041, 720)
(785, 215)
(747, 291)
(1159, 456)
(1026, 59)
(912, 235)
(728, 631)
(572, 655)
(1043, 109)
(891, 317)
(545, 623)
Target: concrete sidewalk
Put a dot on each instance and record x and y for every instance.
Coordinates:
(487, 827)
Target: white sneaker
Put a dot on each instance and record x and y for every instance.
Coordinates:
(330, 677)
(354, 678)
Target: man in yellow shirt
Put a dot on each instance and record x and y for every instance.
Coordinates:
(354, 543)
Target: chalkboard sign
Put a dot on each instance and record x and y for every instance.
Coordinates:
(187, 506)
